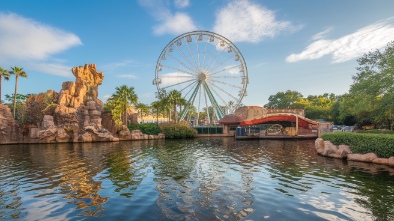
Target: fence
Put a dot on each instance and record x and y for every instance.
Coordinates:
(209, 130)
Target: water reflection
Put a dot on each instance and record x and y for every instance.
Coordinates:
(200, 179)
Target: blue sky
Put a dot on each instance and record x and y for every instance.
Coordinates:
(308, 46)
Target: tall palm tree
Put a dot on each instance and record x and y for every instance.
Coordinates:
(125, 96)
(174, 98)
(143, 109)
(157, 108)
(18, 72)
(3, 73)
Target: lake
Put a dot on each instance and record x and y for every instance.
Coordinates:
(196, 179)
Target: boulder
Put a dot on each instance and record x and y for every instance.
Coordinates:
(344, 150)
(381, 161)
(47, 136)
(319, 145)
(368, 157)
(85, 138)
(124, 133)
(391, 161)
(47, 122)
(62, 136)
(329, 148)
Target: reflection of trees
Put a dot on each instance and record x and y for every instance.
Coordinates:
(196, 182)
(126, 168)
(45, 171)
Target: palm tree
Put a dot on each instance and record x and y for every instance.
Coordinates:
(3, 73)
(125, 97)
(174, 98)
(18, 72)
(157, 108)
(143, 109)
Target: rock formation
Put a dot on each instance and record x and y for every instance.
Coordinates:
(72, 115)
(326, 148)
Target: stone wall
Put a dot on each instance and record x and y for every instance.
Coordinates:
(327, 149)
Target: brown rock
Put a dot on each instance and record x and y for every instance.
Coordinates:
(344, 150)
(34, 133)
(47, 122)
(391, 161)
(319, 145)
(86, 138)
(368, 157)
(47, 136)
(62, 136)
(381, 161)
(124, 134)
(329, 148)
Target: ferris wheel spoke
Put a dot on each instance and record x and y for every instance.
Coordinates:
(186, 59)
(191, 54)
(222, 63)
(177, 69)
(206, 105)
(198, 54)
(224, 92)
(171, 76)
(205, 52)
(191, 88)
(183, 64)
(226, 69)
(178, 83)
(228, 84)
(210, 76)
(217, 94)
(216, 59)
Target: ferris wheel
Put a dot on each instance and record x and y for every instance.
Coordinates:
(208, 70)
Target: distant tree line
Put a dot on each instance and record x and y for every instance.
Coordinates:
(370, 100)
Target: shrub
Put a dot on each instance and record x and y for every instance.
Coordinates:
(376, 131)
(181, 130)
(150, 129)
(380, 144)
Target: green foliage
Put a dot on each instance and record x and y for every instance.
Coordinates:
(380, 144)
(373, 87)
(175, 131)
(150, 129)
(120, 102)
(376, 132)
(286, 99)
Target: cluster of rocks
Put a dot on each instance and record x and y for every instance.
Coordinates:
(328, 149)
(72, 115)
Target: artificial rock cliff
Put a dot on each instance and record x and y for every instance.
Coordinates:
(72, 115)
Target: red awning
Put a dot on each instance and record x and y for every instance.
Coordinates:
(302, 122)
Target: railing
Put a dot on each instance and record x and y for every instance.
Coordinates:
(209, 130)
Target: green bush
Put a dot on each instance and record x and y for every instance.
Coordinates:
(150, 129)
(376, 131)
(173, 130)
(380, 144)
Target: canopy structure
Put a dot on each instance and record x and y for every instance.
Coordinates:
(301, 121)
(230, 119)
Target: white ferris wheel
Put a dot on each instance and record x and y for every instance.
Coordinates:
(208, 70)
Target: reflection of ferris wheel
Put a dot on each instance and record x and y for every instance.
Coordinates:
(207, 69)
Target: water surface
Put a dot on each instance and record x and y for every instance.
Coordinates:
(198, 179)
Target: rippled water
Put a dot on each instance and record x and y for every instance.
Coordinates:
(199, 179)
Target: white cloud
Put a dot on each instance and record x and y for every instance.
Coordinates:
(106, 96)
(130, 76)
(181, 3)
(175, 24)
(320, 35)
(375, 36)
(250, 22)
(169, 23)
(26, 39)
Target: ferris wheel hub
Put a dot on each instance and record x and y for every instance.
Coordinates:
(201, 77)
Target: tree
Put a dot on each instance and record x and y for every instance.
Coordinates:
(120, 101)
(174, 98)
(373, 85)
(157, 108)
(3, 73)
(18, 72)
(286, 99)
(143, 109)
